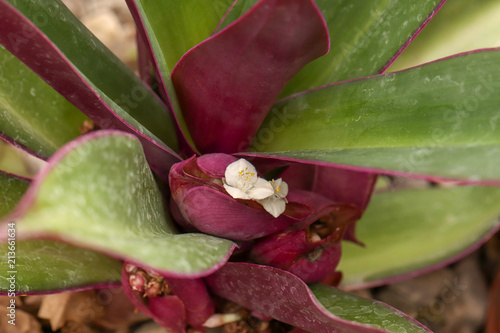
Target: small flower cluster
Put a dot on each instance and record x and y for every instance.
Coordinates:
(148, 284)
(241, 182)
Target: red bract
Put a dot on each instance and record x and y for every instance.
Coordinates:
(311, 253)
(310, 259)
(206, 206)
(306, 237)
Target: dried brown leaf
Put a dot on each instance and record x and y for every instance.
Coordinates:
(79, 308)
(24, 322)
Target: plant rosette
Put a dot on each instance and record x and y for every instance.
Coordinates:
(236, 171)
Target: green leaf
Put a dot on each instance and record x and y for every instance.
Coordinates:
(32, 113)
(460, 26)
(11, 190)
(239, 8)
(47, 266)
(409, 230)
(365, 36)
(94, 68)
(99, 193)
(439, 120)
(16, 161)
(364, 311)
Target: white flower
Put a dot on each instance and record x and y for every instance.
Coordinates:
(276, 203)
(241, 182)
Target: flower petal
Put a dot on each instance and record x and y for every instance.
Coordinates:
(236, 193)
(274, 206)
(261, 190)
(238, 170)
(280, 188)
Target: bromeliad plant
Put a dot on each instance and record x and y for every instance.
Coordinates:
(236, 166)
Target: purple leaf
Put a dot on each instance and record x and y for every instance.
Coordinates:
(144, 61)
(336, 184)
(168, 312)
(341, 214)
(215, 164)
(236, 75)
(343, 185)
(281, 295)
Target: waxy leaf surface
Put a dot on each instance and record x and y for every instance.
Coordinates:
(98, 193)
(32, 114)
(44, 266)
(283, 296)
(413, 230)
(365, 311)
(12, 189)
(366, 37)
(438, 120)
